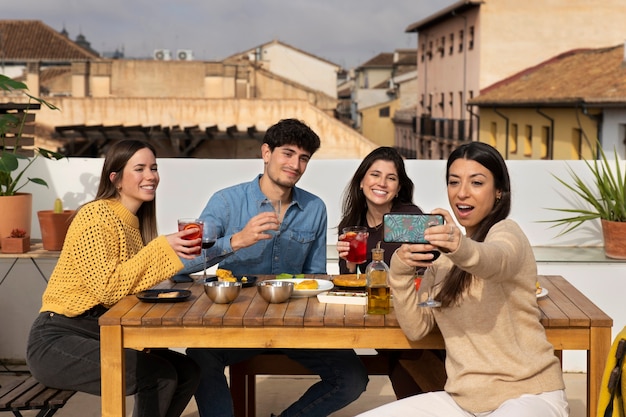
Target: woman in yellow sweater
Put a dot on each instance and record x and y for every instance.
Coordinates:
(498, 360)
(112, 250)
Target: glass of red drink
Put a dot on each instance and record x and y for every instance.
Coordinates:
(184, 224)
(357, 236)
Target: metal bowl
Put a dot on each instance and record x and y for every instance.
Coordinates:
(275, 291)
(222, 292)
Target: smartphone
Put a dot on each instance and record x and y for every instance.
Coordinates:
(408, 227)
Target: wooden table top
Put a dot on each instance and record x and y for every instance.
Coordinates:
(563, 307)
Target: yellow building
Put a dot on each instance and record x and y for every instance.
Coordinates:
(559, 108)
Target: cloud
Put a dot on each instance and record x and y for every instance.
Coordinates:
(346, 32)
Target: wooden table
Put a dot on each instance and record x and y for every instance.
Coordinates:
(571, 320)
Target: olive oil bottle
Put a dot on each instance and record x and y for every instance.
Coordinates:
(378, 292)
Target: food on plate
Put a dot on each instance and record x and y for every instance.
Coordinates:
(225, 275)
(171, 294)
(307, 284)
(349, 280)
(244, 279)
(285, 275)
(538, 288)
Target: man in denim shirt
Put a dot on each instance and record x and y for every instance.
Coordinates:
(252, 241)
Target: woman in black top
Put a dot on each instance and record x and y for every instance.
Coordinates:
(381, 185)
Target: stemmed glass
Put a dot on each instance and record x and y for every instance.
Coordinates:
(209, 236)
(430, 301)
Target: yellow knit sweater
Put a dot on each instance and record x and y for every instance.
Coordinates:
(104, 259)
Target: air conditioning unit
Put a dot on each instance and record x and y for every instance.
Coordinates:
(184, 55)
(162, 54)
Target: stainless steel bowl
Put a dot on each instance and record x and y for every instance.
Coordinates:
(222, 292)
(275, 291)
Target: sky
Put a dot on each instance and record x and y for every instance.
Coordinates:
(345, 32)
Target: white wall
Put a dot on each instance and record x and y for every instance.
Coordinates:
(186, 185)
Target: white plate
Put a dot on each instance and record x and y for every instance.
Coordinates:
(543, 293)
(323, 285)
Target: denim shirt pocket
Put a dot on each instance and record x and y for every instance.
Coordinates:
(298, 246)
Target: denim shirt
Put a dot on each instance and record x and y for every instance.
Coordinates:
(298, 247)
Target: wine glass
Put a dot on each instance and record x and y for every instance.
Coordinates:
(430, 301)
(209, 236)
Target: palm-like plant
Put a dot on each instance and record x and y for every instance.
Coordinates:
(11, 176)
(606, 198)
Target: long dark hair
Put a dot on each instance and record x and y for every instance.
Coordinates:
(115, 160)
(458, 280)
(354, 205)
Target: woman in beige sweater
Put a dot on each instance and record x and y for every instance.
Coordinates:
(499, 361)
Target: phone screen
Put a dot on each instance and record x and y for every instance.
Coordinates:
(408, 228)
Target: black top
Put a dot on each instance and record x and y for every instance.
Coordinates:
(376, 235)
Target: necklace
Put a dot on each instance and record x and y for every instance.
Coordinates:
(368, 217)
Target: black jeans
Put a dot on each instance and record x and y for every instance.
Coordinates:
(64, 352)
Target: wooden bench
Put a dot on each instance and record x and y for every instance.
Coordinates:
(243, 376)
(29, 394)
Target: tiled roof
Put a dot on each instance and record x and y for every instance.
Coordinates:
(384, 59)
(584, 75)
(32, 40)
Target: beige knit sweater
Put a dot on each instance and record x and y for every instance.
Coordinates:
(104, 259)
(496, 346)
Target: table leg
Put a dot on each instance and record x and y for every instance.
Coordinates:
(113, 378)
(600, 346)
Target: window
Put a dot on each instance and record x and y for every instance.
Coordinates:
(493, 134)
(423, 51)
(545, 142)
(383, 111)
(442, 47)
(460, 41)
(461, 106)
(577, 144)
(429, 54)
(528, 141)
(470, 45)
(451, 51)
(513, 139)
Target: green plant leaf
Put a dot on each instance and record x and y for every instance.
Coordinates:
(606, 196)
(10, 172)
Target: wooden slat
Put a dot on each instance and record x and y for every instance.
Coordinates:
(195, 314)
(174, 316)
(214, 316)
(33, 390)
(354, 315)
(571, 312)
(136, 312)
(294, 316)
(256, 311)
(597, 317)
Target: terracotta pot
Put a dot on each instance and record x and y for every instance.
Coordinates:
(54, 228)
(15, 244)
(17, 213)
(614, 239)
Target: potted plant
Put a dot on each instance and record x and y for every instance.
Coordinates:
(605, 199)
(54, 224)
(17, 242)
(16, 207)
